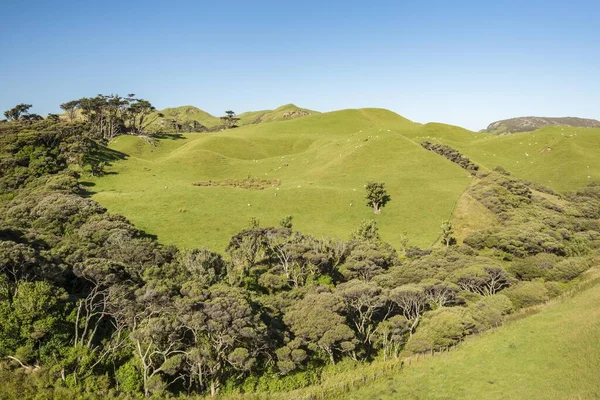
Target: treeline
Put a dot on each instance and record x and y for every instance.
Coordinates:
(451, 154)
(92, 307)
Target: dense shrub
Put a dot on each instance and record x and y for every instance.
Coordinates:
(525, 294)
(440, 329)
(530, 268)
(568, 269)
(489, 312)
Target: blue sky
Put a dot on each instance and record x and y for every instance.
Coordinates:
(462, 62)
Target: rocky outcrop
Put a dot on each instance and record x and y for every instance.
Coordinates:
(295, 114)
(528, 124)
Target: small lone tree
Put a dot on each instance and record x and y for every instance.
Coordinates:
(367, 231)
(447, 233)
(286, 222)
(377, 196)
(230, 120)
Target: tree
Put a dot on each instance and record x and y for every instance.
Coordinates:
(137, 111)
(204, 266)
(227, 333)
(366, 231)
(412, 301)
(447, 233)
(367, 260)
(439, 293)
(485, 281)
(20, 111)
(363, 301)
(317, 323)
(377, 197)
(70, 107)
(230, 120)
(390, 335)
(440, 329)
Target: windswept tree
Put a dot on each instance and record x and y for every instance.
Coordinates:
(18, 112)
(364, 300)
(377, 196)
(230, 120)
(411, 300)
(70, 108)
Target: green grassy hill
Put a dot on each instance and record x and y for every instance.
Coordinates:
(323, 162)
(184, 114)
(551, 355)
(288, 111)
(563, 158)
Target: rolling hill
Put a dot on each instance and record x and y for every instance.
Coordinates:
(529, 124)
(323, 161)
(563, 158)
(288, 111)
(162, 120)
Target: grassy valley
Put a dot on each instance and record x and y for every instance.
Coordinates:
(323, 162)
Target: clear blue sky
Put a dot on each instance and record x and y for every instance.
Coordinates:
(462, 62)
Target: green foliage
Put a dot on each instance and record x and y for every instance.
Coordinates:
(129, 378)
(286, 222)
(20, 111)
(568, 269)
(489, 312)
(366, 231)
(526, 294)
(377, 197)
(440, 329)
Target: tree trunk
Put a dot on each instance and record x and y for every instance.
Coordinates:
(376, 208)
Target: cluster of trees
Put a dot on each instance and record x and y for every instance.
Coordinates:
(111, 115)
(451, 154)
(91, 306)
(20, 112)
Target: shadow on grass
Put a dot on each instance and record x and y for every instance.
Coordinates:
(168, 136)
(106, 155)
(86, 189)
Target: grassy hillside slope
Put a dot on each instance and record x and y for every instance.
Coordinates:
(562, 158)
(286, 111)
(551, 355)
(323, 162)
(185, 114)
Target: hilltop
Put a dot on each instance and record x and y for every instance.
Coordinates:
(528, 124)
(288, 111)
(193, 119)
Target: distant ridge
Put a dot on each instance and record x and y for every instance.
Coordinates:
(528, 124)
(288, 111)
(192, 119)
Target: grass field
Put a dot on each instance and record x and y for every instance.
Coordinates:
(323, 161)
(560, 157)
(554, 354)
